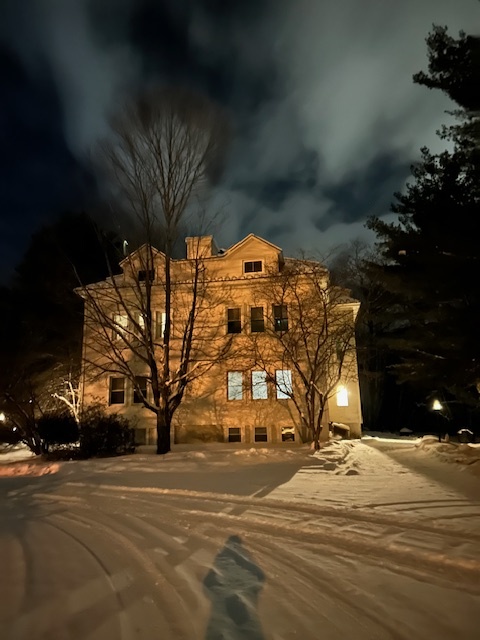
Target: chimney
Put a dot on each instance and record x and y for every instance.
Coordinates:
(200, 247)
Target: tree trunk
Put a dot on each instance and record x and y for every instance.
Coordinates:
(316, 438)
(163, 433)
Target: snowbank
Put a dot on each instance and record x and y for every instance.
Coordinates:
(466, 455)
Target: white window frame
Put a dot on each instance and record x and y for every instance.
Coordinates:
(110, 390)
(234, 385)
(283, 383)
(134, 391)
(259, 385)
(160, 320)
(257, 320)
(120, 320)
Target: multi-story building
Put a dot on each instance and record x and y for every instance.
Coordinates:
(249, 371)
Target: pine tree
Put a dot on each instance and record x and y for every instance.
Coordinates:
(431, 256)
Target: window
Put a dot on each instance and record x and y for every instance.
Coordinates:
(261, 434)
(280, 317)
(257, 323)
(121, 325)
(283, 382)
(160, 321)
(342, 396)
(141, 383)
(117, 391)
(140, 330)
(234, 322)
(235, 385)
(253, 266)
(234, 434)
(288, 434)
(145, 275)
(259, 385)
(339, 351)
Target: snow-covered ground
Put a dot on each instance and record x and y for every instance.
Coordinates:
(374, 539)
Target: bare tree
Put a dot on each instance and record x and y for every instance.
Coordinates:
(309, 334)
(30, 395)
(146, 324)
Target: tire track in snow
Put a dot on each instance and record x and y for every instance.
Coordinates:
(403, 541)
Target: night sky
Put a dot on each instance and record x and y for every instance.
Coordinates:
(325, 117)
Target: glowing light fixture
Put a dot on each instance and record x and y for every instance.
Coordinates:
(2, 417)
(437, 405)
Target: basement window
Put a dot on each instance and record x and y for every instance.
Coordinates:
(261, 434)
(288, 434)
(234, 434)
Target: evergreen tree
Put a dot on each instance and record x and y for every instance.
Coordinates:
(41, 319)
(431, 256)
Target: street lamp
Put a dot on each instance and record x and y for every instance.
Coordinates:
(2, 417)
(437, 407)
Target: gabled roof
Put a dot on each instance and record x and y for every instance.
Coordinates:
(248, 239)
(138, 251)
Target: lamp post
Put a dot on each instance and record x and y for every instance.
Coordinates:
(437, 407)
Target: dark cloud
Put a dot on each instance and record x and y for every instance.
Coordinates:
(325, 116)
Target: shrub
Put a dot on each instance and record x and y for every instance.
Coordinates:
(106, 435)
(56, 429)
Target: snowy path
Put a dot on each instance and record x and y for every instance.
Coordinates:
(354, 545)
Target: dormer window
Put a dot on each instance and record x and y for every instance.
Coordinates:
(253, 266)
(145, 275)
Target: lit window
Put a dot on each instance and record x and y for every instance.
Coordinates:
(234, 322)
(235, 385)
(160, 321)
(261, 434)
(139, 389)
(146, 275)
(283, 382)
(121, 325)
(259, 385)
(342, 396)
(140, 330)
(117, 391)
(234, 434)
(257, 323)
(253, 266)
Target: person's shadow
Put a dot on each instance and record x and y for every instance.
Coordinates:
(233, 585)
